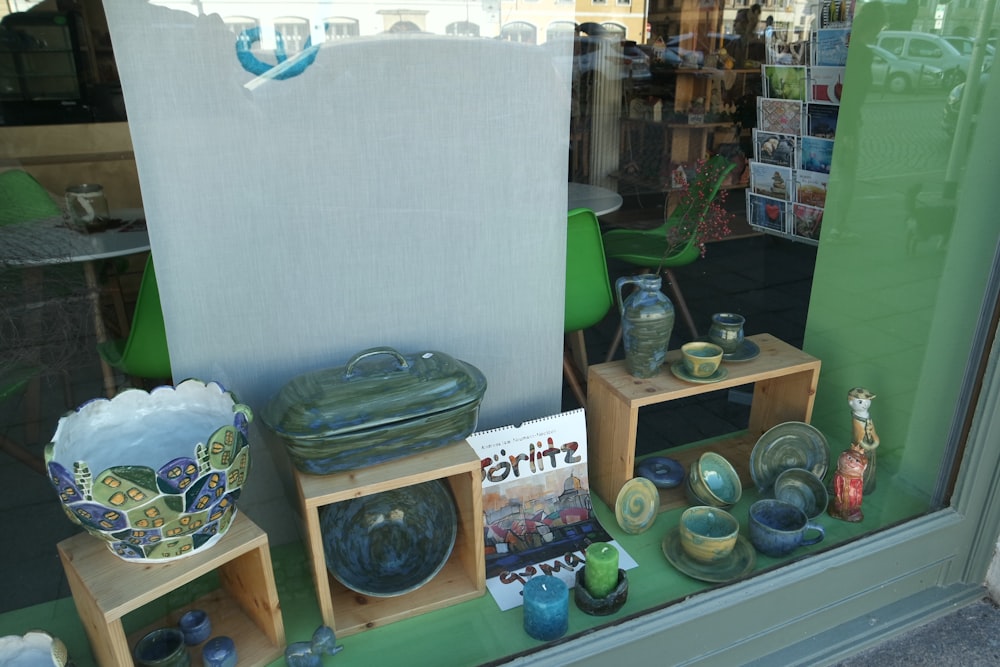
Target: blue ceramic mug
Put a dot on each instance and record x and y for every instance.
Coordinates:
(778, 528)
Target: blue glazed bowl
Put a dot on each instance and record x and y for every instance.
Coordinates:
(390, 543)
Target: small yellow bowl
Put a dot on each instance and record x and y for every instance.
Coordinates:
(701, 359)
(708, 534)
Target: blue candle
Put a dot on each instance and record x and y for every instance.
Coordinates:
(546, 608)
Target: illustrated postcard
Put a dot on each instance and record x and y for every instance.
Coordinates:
(773, 148)
(771, 180)
(766, 214)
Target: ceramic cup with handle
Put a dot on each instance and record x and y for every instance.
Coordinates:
(778, 528)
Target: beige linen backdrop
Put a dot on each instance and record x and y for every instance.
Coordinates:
(402, 190)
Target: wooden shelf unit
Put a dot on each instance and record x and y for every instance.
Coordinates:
(463, 576)
(246, 608)
(784, 380)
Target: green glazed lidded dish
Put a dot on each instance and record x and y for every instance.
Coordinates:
(380, 406)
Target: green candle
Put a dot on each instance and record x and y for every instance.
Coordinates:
(600, 575)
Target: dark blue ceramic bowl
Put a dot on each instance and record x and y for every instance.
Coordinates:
(390, 543)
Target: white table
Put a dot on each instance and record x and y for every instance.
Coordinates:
(52, 241)
(599, 200)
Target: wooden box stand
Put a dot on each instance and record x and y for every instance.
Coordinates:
(463, 576)
(246, 608)
(784, 381)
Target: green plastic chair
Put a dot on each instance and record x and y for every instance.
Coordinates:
(588, 288)
(650, 249)
(22, 198)
(143, 354)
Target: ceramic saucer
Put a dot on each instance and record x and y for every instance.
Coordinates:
(679, 371)
(785, 446)
(738, 564)
(663, 471)
(637, 505)
(748, 350)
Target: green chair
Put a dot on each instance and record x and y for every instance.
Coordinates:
(22, 198)
(13, 380)
(588, 289)
(143, 354)
(654, 250)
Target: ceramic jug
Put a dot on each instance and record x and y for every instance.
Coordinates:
(647, 322)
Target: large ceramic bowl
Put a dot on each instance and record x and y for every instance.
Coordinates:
(390, 543)
(34, 648)
(154, 474)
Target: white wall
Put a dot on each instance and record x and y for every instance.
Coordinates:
(405, 190)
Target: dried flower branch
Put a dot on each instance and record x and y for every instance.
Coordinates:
(700, 212)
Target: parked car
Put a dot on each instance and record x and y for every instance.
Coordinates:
(953, 103)
(927, 49)
(964, 45)
(897, 75)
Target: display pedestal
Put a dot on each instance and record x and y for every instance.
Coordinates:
(463, 576)
(245, 608)
(784, 380)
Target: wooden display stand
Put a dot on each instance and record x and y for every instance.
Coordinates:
(784, 380)
(463, 576)
(246, 608)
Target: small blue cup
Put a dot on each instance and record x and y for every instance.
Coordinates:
(196, 626)
(219, 652)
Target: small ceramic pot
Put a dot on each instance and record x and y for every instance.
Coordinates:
(701, 359)
(726, 331)
(708, 534)
(163, 647)
(219, 652)
(196, 626)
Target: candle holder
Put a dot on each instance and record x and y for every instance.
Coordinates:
(605, 606)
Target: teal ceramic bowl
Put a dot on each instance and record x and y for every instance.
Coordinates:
(390, 543)
(713, 481)
(803, 489)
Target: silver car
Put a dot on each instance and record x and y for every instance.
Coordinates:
(897, 75)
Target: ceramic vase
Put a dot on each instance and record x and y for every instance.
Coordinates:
(647, 321)
(156, 475)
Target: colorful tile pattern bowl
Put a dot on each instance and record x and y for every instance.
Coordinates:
(154, 474)
(390, 543)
